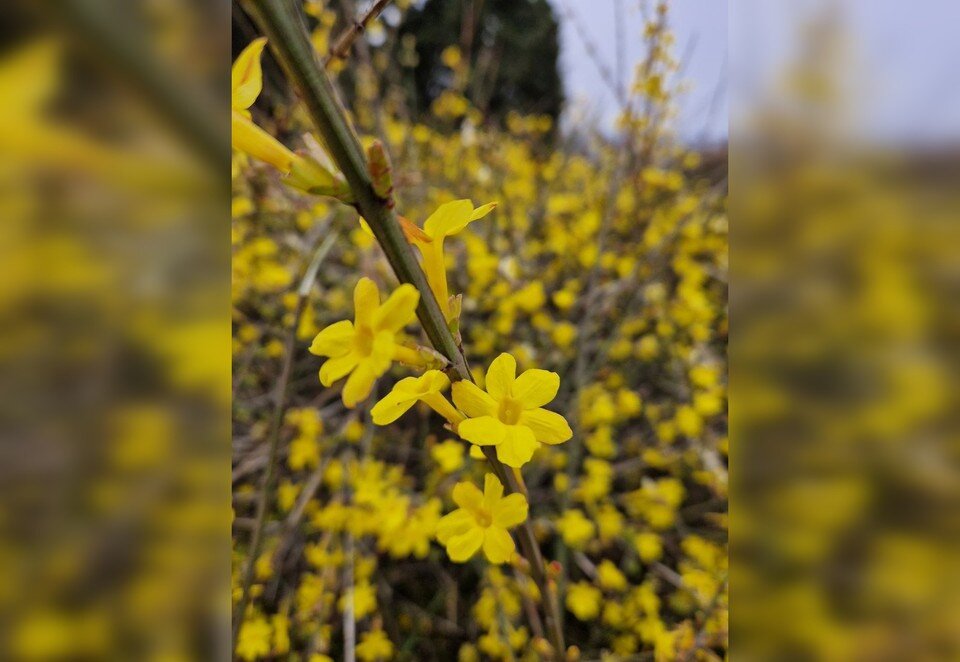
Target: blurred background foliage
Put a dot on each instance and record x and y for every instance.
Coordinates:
(512, 48)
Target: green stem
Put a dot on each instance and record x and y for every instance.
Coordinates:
(284, 27)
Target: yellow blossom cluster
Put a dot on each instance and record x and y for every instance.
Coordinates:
(590, 305)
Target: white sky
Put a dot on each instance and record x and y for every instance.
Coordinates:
(700, 27)
(901, 72)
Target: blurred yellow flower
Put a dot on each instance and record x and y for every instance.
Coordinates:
(510, 414)
(365, 348)
(449, 455)
(648, 546)
(374, 646)
(254, 639)
(584, 601)
(482, 520)
(575, 529)
(610, 577)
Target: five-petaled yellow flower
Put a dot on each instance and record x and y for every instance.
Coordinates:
(482, 521)
(366, 347)
(509, 414)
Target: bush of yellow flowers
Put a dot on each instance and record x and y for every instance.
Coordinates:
(565, 499)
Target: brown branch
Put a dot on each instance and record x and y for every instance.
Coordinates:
(343, 44)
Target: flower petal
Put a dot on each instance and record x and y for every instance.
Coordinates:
(492, 490)
(462, 547)
(246, 77)
(498, 546)
(473, 400)
(501, 375)
(336, 368)
(398, 310)
(467, 496)
(366, 300)
(454, 524)
(382, 351)
(483, 431)
(518, 446)
(482, 211)
(535, 388)
(548, 427)
(433, 381)
(334, 340)
(510, 511)
(358, 385)
(394, 405)
(251, 139)
(448, 219)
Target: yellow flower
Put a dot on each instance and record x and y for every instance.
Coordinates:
(305, 173)
(254, 640)
(610, 576)
(509, 414)
(246, 80)
(366, 347)
(364, 597)
(447, 220)
(482, 521)
(427, 387)
(374, 646)
(584, 601)
(576, 529)
(449, 455)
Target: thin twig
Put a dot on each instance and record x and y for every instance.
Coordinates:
(341, 47)
(607, 76)
(280, 395)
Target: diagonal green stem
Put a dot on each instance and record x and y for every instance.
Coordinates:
(284, 27)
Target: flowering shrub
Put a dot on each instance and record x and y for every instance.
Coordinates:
(590, 303)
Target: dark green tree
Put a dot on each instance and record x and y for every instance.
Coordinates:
(512, 46)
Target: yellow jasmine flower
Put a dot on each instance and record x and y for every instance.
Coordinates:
(449, 455)
(364, 597)
(427, 388)
(255, 639)
(246, 79)
(447, 220)
(584, 601)
(509, 414)
(610, 577)
(366, 347)
(374, 646)
(576, 529)
(482, 521)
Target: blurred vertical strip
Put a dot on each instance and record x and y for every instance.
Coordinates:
(845, 158)
(115, 346)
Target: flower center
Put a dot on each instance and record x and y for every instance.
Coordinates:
(484, 519)
(510, 411)
(363, 340)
